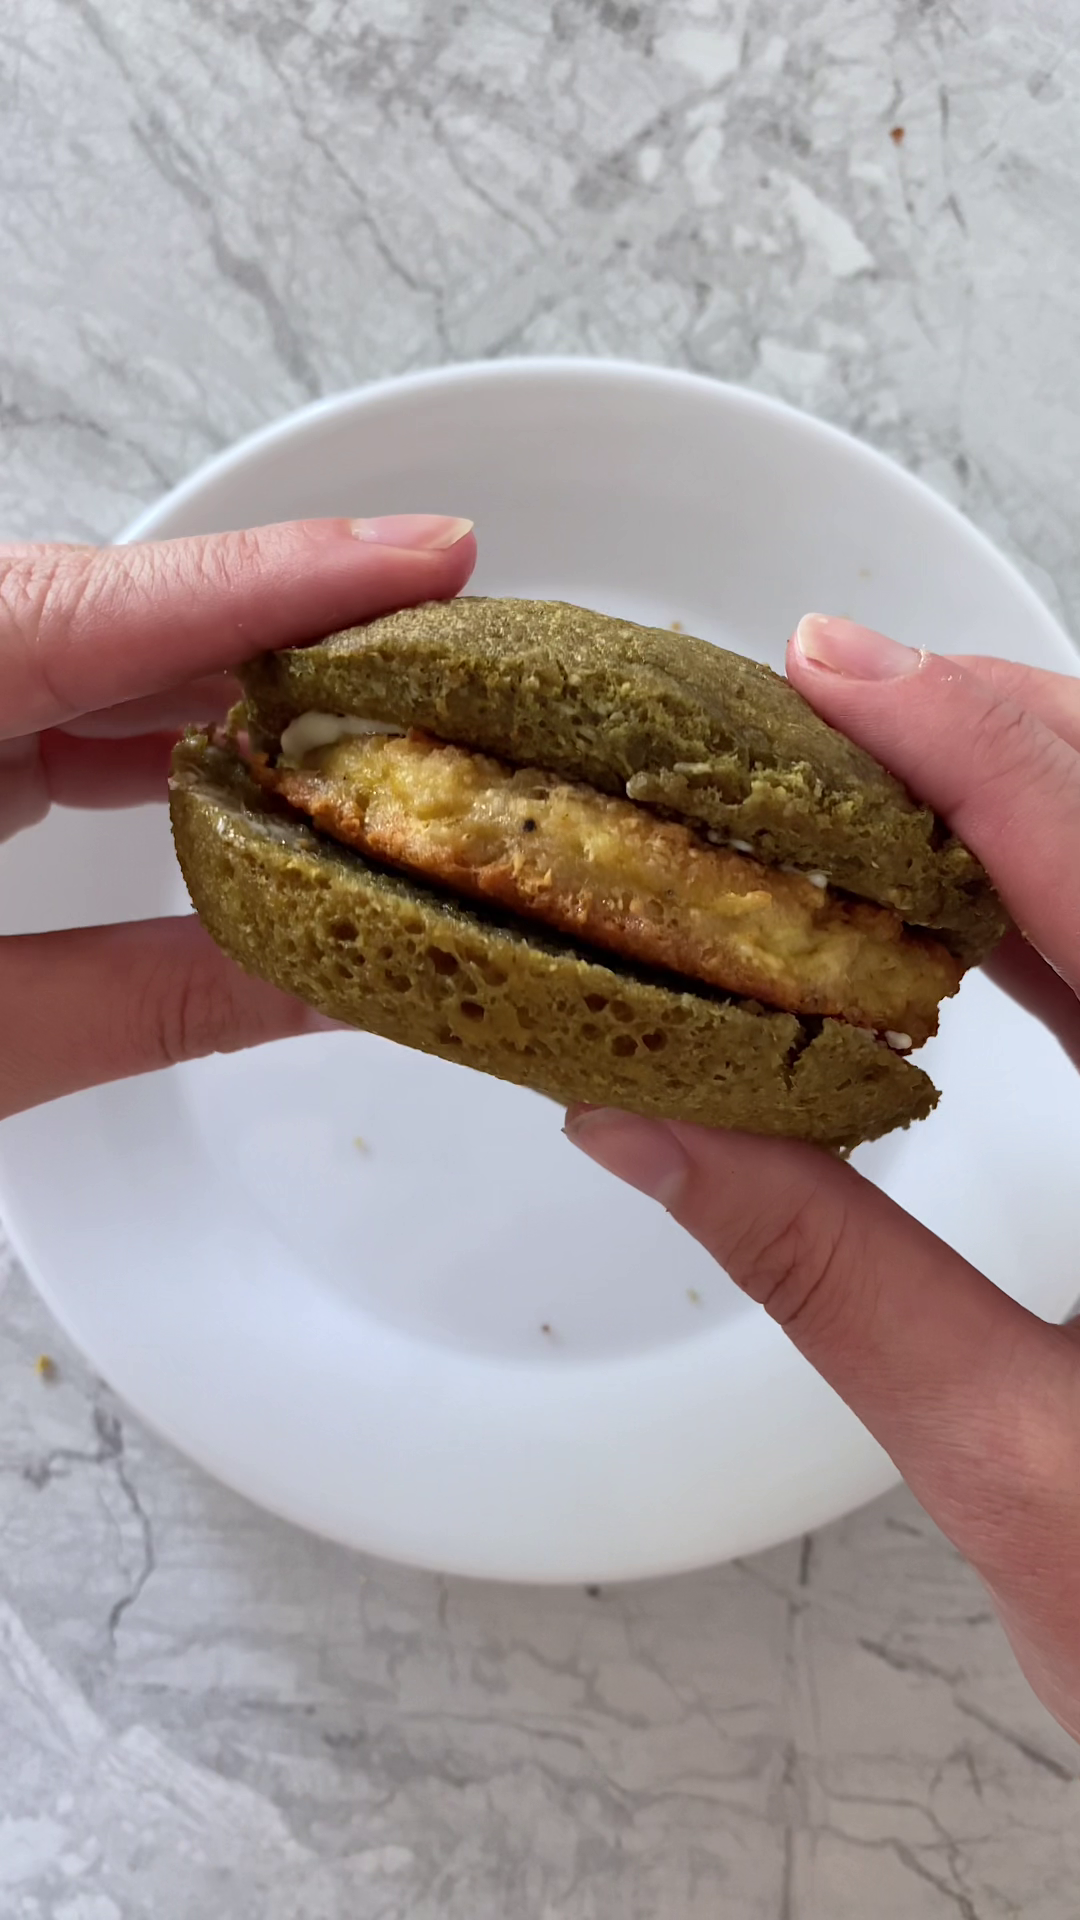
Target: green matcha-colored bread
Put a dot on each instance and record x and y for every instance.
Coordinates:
(672, 721)
(404, 961)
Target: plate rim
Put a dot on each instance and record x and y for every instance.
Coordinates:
(584, 366)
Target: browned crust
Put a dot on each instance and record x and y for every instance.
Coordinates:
(611, 873)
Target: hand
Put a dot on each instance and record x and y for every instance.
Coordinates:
(976, 1400)
(104, 655)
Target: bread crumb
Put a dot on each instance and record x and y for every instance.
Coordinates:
(677, 627)
(45, 1367)
(896, 135)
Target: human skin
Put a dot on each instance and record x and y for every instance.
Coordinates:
(104, 655)
(976, 1400)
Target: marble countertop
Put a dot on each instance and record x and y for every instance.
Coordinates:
(211, 212)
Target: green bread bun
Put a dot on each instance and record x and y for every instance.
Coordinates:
(679, 725)
(396, 958)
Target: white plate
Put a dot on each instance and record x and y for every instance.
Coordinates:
(358, 1337)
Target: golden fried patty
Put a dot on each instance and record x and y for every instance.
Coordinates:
(618, 877)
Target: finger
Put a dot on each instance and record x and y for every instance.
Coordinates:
(1054, 698)
(1005, 783)
(82, 630)
(52, 768)
(24, 788)
(954, 1379)
(1025, 976)
(106, 773)
(201, 703)
(101, 1003)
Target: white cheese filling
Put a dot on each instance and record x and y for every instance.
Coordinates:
(311, 730)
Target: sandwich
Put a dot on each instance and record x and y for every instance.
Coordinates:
(614, 864)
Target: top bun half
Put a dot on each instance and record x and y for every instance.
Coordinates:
(692, 730)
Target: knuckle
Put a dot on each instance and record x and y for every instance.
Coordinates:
(189, 1011)
(134, 580)
(48, 583)
(25, 584)
(1000, 736)
(1008, 751)
(798, 1266)
(41, 596)
(225, 560)
(197, 1001)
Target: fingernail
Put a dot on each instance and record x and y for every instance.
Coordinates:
(644, 1153)
(857, 652)
(419, 532)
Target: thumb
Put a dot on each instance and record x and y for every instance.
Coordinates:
(968, 1392)
(1006, 782)
(83, 629)
(100, 1003)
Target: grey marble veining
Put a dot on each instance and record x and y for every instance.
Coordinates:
(211, 211)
